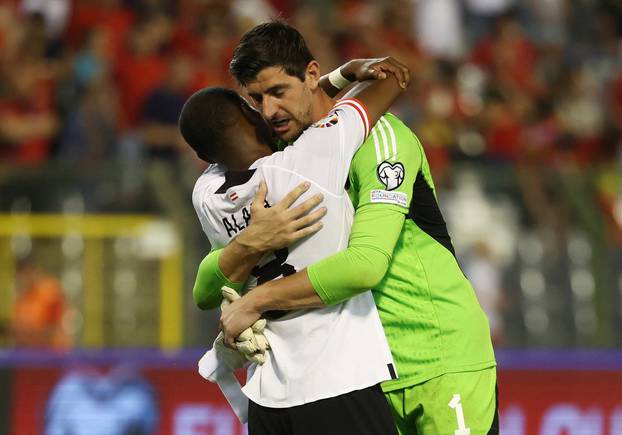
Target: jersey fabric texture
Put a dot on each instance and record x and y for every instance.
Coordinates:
(428, 308)
(454, 403)
(315, 354)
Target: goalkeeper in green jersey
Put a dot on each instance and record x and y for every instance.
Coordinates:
(399, 247)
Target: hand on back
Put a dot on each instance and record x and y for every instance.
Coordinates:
(280, 225)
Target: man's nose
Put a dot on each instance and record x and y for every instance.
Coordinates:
(269, 107)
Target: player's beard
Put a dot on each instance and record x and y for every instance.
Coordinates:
(300, 122)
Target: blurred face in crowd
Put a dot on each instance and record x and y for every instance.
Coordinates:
(23, 79)
(284, 100)
(180, 73)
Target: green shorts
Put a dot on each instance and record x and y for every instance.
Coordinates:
(462, 403)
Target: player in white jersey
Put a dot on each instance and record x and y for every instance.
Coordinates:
(314, 365)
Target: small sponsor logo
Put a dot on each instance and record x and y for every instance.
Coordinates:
(388, 197)
(233, 196)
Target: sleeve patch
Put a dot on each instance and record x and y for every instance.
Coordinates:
(329, 121)
(387, 197)
(390, 174)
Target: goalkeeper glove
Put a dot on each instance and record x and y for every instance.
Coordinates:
(251, 342)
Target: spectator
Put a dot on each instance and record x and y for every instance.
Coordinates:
(27, 119)
(144, 66)
(439, 27)
(480, 15)
(214, 47)
(39, 309)
(8, 32)
(54, 15)
(503, 129)
(161, 111)
(89, 96)
(550, 15)
(508, 55)
(109, 15)
(170, 165)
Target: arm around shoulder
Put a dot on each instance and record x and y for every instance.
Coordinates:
(363, 264)
(341, 276)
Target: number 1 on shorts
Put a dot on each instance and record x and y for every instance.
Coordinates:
(455, 404)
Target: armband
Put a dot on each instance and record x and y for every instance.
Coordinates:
(338, 80)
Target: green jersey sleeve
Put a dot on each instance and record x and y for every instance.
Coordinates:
(364, 262)
(209, 281)
(382, 175)
(384, 169)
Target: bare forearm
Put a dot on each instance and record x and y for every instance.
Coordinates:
(270, 229)
(294, 292)
(327, 86)
(237, 260)
(341, 276)
(364, 69)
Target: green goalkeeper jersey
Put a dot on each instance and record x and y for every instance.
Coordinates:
(431, 316)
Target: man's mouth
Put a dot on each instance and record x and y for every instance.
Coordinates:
(281, 125)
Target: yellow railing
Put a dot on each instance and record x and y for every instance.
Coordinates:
(95, 229)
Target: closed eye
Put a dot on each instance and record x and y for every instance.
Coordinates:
(278, 91)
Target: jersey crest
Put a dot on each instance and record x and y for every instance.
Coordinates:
(390, 174)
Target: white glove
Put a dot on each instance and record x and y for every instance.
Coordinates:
(251, 342)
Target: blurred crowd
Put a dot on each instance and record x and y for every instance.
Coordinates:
(533, 86)
(513, 82)
(519, 82)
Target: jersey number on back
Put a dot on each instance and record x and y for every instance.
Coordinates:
(271, 270)
(275, 268)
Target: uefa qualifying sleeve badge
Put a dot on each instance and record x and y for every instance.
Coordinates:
(390, 174)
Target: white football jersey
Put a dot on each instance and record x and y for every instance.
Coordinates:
(315, 353)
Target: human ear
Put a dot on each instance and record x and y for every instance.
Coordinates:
(312, 74)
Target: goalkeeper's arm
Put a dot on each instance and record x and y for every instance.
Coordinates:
(270, 229)
(358, 70)
(229, 266)
(358, 268)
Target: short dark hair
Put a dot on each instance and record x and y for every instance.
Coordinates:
(206, 118)
(275, 43)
